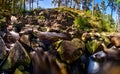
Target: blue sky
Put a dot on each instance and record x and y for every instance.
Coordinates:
(48, 4)
(45, 4)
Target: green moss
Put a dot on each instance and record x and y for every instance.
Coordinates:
(7, 65)
(41, 17)
(17, 71)
(69, 51)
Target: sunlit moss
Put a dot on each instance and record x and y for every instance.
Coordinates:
(92, 46)
(17, 71)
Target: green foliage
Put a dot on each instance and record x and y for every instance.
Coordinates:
(38, 8)
(105, 40)
(81, 23)
(89, 12)
(92, 46)
(103, 6)
(107, 24)
(7, 64)
(84, 20)
(41, 17)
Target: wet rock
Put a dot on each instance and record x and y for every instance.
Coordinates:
(94, 67)
(70, 51)
(113, 53)
(96, 62)
(116, 41)
(51, 35)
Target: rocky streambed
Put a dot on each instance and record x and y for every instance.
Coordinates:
(52, 45)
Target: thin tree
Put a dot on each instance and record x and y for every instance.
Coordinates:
(112, 5)
(103, 6)
(24, 5)
(77, 3)
(92, 7)
(57, 2)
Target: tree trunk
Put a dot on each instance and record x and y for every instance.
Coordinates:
(24, 5)
(59, 3)
(32, 4)
(66, 3)
(13, 8)
(112, 10)
(70, 3)
(20, 4)
(92, 8)
(37, 3)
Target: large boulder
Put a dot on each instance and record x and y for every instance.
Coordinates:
(70, 51)
(51, 36)
(17, 55)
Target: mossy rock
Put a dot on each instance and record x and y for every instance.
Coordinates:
(2, 49)
(17, 71)
(25, 39)
(70, 51)
(78, 43)
(17, 55)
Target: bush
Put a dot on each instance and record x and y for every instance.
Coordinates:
(107, 25)
(81, 23)
(89, 12)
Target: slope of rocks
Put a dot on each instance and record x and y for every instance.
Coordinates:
(46, 42)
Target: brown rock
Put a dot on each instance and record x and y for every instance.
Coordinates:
(70, 51)
(116, 41)
(51, 36)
